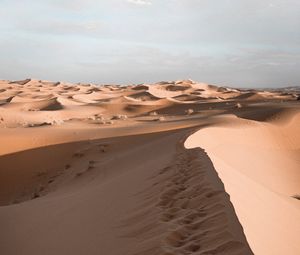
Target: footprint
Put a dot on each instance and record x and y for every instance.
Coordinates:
(192, 247)
(35, 195)
(90, 168)
(164, 170)
(67, 166)
(79, 174)
(165, 203)
(103, 147)
(92, 162)
(78, 155)
(166, 217)
(215, 193)
(175, 239)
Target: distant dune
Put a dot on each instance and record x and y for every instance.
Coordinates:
(175, 167)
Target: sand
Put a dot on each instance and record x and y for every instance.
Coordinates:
(176, 167)
(259, 166)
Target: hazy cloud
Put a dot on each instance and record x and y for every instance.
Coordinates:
(140, 2)
(244, 43)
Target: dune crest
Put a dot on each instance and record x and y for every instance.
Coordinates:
(102, 169)
(270, 182)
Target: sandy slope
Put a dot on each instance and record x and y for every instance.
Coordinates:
(114, 198)
(259, 165)
(88, 169)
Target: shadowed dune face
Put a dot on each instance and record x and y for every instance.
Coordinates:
(90, 169)
(174, 204)
(25, 175)
(43, 105)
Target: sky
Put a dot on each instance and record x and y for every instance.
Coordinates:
(241, 43)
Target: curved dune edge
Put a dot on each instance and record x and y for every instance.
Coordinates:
(259, 166)
(164, 203)
(101, 169)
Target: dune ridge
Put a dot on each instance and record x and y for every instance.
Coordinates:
(270, 183)
(175, 167)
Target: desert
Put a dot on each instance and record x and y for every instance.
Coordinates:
(173, 167)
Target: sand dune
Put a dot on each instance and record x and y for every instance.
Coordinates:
(5, 100)
(42, 105)
(144, 96)
(250, 96)
(145, 212)
(89, 169)
(258, 164)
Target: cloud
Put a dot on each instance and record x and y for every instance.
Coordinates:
(140, 2)
(250, 42)
(61, 27)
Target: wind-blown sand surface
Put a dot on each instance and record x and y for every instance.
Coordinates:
(167, 168)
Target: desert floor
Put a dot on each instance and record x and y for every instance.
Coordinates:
(167, 168)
